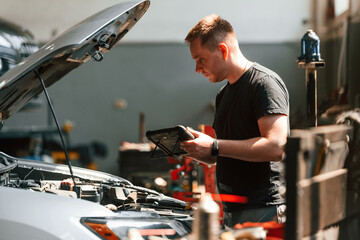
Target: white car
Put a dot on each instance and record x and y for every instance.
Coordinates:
(51, 201)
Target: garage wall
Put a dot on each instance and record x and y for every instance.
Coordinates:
(153, 72)
(152, 69)
(168, 20)
(157, 79)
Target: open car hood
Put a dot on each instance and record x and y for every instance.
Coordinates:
(90, 38)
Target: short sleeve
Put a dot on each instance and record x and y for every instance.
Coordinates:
(270, 96)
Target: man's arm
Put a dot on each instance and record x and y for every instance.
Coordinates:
(268, 147)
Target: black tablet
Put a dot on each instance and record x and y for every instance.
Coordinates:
(168, 140)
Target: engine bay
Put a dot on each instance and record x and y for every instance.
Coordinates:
(115, 193)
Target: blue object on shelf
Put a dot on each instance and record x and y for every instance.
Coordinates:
(310, 47)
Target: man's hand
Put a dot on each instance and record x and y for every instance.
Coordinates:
(200, 147)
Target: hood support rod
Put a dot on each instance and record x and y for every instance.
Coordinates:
(59, 130)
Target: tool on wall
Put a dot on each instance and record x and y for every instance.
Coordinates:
(310, 60)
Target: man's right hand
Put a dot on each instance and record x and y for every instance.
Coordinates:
(200, 147)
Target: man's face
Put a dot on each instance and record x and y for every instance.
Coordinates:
(209, 63)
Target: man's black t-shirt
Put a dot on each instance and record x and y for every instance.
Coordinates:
(257, 93)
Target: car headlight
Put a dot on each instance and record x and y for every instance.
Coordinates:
(149, 224)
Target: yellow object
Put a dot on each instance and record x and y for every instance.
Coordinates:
(68, 126)
(59, 157)
(92, 166)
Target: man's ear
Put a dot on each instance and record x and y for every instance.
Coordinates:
(224, 49)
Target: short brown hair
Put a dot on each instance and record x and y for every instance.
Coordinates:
(211, 30)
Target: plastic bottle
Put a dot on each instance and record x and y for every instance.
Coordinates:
(206, 224)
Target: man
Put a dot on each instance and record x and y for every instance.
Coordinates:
(251, 123)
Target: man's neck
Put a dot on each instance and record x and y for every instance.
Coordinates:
(239, 70)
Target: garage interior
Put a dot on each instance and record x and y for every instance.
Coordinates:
(148, 80)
